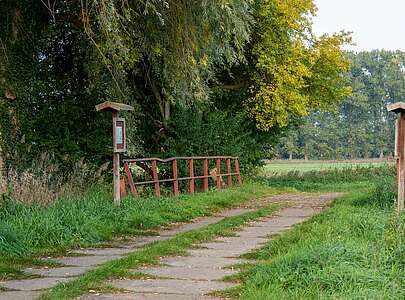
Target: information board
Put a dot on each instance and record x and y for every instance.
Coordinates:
(119, 136)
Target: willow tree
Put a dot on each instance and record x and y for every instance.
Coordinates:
(58, 58)
(171, 47)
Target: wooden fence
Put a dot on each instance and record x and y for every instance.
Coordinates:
(128, 179)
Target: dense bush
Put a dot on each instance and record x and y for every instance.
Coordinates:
(213, 133)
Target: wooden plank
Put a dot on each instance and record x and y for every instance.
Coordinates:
(113, 106)
(130, 179)
(396, 107)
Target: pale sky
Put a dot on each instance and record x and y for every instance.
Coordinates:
(376, 24)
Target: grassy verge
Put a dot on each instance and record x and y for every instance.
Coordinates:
(354, 250)
(152, 253)
(29, 231)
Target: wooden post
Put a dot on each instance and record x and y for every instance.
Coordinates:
(399, 108)
(218, 174)
(116, 169)
(401, 161)
(155, 179)
(396, 149)
(119, 145)
(175, 178)
(228, 164)
(192, 182)
(239, 179)
(205, 179)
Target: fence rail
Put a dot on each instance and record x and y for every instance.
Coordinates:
(175, 179)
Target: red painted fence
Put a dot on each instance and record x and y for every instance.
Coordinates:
(128, 178)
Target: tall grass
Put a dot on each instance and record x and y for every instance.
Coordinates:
(354, 250)
(45, 180)
(91, 218)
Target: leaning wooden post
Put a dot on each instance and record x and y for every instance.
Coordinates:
(399, 108)
(130, 179)
(119, 141)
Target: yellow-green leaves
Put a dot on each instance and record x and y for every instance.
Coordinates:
(294, 71)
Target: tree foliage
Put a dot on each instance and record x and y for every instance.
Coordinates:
(361, 127)
(294, 72)
(220, 65)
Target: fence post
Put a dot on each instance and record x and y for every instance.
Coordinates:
(205, 179)
(155, 179)
(175, 178)
(228, 163)
(239, 179)
(130, 179)
(123, 188)
(218, 174)
(191, 176)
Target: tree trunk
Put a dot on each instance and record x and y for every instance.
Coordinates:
(167, 111)
(291, 156)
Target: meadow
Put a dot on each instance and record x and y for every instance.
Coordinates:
(277, 167)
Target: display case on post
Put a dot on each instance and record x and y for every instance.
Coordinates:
(119, 141)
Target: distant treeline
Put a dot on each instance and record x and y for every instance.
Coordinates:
(361, 127)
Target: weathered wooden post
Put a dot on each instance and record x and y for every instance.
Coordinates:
(119, 141)
(399, 108)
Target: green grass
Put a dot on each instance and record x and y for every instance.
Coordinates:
(27, 232)
(151, 254)
(331, 180)
(280, 168)
(354, 250)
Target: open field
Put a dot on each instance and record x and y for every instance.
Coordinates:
(300, 166)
